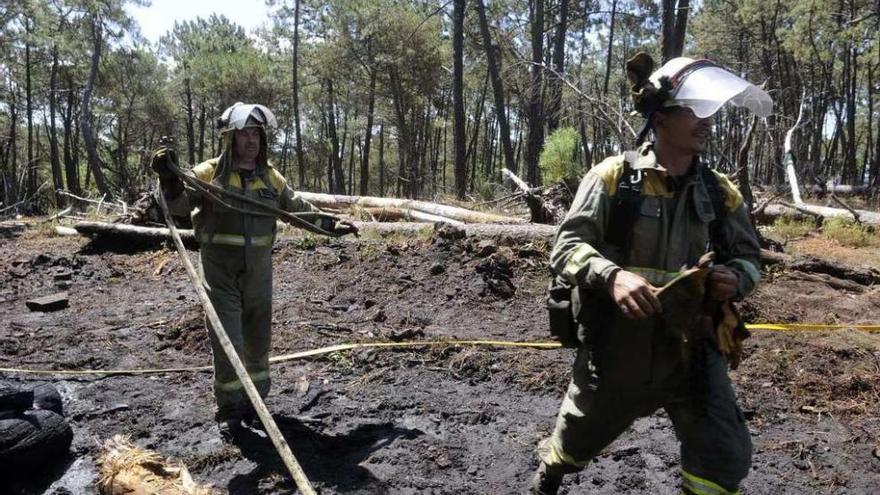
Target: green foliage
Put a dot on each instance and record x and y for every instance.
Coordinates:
(849, 233)
(558, 160)
(786, 228)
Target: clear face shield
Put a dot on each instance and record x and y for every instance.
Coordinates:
(705, 87)
(241, 115)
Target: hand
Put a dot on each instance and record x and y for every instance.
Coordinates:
(344, 227)
(160, 162)
(723, 283)
(633, 295)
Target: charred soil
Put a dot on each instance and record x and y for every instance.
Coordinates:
(447, 419)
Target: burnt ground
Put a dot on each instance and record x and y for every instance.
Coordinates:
(440, 420)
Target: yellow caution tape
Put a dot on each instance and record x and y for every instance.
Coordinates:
(790, 327)
(777, 327)
(296, 355)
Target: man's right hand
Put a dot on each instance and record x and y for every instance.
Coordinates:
(633, 295)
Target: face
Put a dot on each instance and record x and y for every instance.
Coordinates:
(246, 144)
(681, 129)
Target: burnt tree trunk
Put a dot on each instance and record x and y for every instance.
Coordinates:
(535, 115)
(90, 138)
(458, 121)
(493, 63)
(555, 104)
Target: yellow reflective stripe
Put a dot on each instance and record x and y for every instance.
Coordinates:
(556, 456)
(701, 486)
(228, 386)
(577, 260)
(652, 275)
(235, 240)
(259, 376)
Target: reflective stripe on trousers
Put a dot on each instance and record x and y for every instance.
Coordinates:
(230, 386)
(236, 240)
(694, 485)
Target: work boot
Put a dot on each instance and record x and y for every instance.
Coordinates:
(230, 430)
(251, 420)
(546, 481)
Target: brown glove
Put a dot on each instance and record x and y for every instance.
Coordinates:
(337, 226)
(160, 163)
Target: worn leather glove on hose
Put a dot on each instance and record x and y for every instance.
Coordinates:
(336, 226)
(159, 163)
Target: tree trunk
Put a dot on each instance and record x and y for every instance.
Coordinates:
(555, 104)
(365, 159)
(337, 202)
(13, 147)
(54, 158)
(88, 131)
(611, 24)
(203, 120)
(190, 124)
(382, 159)
(338, 176)
(535, 106)
(31, 167)
(458, 124)
(493, 63)
(300, 158)
(674, 17)
(71, 174)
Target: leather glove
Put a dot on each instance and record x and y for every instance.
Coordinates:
(337, 226)
(159, 163)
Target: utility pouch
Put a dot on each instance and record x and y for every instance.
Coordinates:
(563, 326)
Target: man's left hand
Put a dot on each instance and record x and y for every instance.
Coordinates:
(723, 283)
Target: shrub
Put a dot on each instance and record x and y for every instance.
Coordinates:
(557, 160)
(791, 228)
(849, 233)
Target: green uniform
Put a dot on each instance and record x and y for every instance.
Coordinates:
(630, 368)
(236, 270)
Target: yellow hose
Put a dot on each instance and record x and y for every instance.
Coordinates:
(773, 327)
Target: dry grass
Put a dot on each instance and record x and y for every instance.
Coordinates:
(127, 468)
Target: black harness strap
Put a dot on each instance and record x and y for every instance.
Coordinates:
(627, 202)
(626, 205)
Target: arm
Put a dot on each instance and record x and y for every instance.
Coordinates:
(745, 252)
(576, 258)
(742, 271)
(292, 202)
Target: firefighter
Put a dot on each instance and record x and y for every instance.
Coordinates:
(236, 249)
(637, 219)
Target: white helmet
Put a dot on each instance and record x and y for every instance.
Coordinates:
(241, 115)
(705, 87)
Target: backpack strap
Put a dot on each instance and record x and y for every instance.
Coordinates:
(716, 227)
(625, 206)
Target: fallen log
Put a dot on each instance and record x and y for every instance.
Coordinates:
(862, 216)
(391, 214)
(338, 202)
(803, 211)
(513, 233)
(130, 233)
(837, 189)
